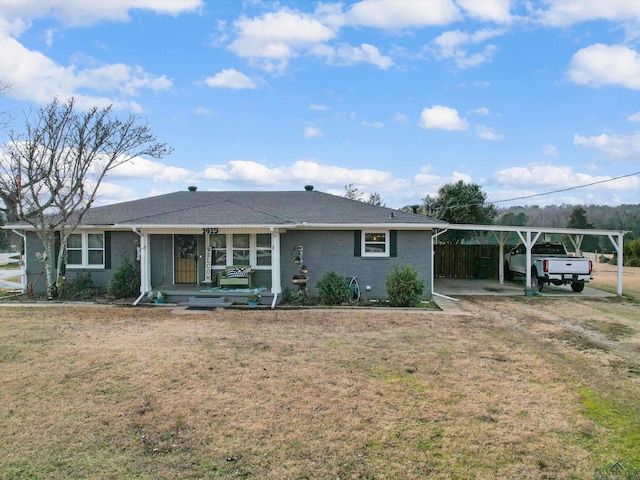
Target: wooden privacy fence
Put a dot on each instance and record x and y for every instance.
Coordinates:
(466, 261)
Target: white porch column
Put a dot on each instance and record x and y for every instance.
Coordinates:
(145, 265)
(276, 284)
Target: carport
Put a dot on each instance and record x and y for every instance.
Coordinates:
(529, 236)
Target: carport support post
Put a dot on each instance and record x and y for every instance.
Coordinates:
(528, 243)
(619, 252)
(502, 239)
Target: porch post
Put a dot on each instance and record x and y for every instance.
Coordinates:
(276, 285)
(145, 264)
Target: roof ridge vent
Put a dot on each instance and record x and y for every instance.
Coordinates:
(192, 188)
(308, 188)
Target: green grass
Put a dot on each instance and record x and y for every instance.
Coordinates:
(620, 437)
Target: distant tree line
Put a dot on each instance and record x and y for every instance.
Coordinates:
(601, 217)
(466, 203)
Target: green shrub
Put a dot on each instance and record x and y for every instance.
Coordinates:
(125, 282)
(80, 287)
(295, 297)
(333, 289)
(633, 262)
(404, 288)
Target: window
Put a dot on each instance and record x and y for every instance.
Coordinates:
(218, 244)
(375, 244)
(85, 250)
(263, 249)
(241, 249)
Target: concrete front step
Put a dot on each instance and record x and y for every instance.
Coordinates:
(209, 302)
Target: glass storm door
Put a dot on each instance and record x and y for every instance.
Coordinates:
(186, 259)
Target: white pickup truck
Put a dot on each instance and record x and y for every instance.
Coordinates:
(550, 263)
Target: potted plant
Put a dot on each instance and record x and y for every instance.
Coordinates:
(254, 299)
(160, 296)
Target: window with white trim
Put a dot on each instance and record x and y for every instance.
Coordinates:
(263, 249)
(85, 250)
(375, 243)
(241, 249)
(229, 249)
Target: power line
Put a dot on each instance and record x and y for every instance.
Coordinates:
(567, 189)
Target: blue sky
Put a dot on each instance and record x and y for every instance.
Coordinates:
(397, 97)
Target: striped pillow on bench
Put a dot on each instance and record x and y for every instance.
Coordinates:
(237, 272)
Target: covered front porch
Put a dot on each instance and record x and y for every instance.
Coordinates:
(185, 264)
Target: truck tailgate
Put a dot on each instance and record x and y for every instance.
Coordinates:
(580, 266)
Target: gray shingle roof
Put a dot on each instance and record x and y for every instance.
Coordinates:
(272, 208)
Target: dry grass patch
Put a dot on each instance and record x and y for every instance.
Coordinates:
(605, 277)
(147, 393)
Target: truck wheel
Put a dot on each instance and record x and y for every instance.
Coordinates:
(535, 281)
(508, 274)
(577, 286)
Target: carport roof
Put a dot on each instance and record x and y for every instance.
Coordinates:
(529, 235)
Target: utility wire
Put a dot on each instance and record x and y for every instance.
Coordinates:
(524, 197)
(567, 189)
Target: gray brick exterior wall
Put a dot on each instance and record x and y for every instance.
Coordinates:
(325, 251)
(123, 244)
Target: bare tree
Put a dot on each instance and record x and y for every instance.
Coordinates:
(375, 199)
(352, 192)
(4, 89)
(50, 174)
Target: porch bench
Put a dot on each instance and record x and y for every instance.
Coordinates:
(236, 276)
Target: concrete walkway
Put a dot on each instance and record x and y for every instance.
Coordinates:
(453, 287)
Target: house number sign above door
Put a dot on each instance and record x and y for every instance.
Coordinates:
(210, 230)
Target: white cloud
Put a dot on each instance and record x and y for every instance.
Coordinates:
(614, 146)
(634, 117)
(400, 118)
(487, 133)
(329, 174)
(33, 76)
(200, 110)
(557, 177)
(301, 171)
(230, 78)
(600, 64)
(550, 151)
(82, 12)
(372, 124)
(112, 193)
(276, 37)
(215, 172)
(562, 13)
(450, 46)
(481, 111)
(346, 54)
(36, 77)
(318, 108)
(141, 168)
(429, 183)
(386, 14)
(440, 117)
(487, 10)
(312, 132)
